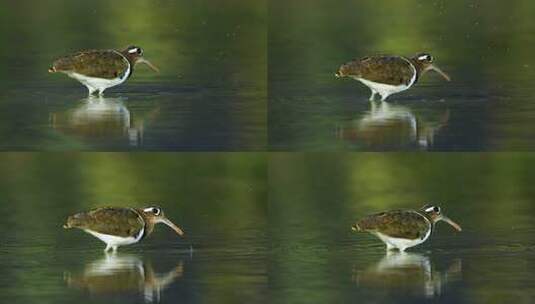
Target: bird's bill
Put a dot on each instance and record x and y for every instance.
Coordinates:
(337, 75)
(173, 226)
(436, 69)
(152, 66)
(452, 223)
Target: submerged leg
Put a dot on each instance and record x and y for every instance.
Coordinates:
(101, 92)
(114, 249)
(108, 247)
(372, 97)
(384, 97)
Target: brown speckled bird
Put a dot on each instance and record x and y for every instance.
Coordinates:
(387, 75)
(117, 226)
(101, 69)
(402, 229)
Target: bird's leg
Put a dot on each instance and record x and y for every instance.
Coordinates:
(383, 97)
(114, 249)
(373, 106)
(101, 92)
(90, 89)
(372, 97)
(108, 247)
(389, 247)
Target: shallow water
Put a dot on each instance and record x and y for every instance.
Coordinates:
(210, 93)
(223, 257)
(486, 107)
(315, 198)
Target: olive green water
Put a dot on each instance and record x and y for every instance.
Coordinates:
(316, 258)
(267, 228)
(209, 95)
(218, 200)
(274, 227)
(486, 46)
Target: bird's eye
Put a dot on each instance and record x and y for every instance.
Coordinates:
(425, 57)
(139, 51)
(156, 211)
(436, 209)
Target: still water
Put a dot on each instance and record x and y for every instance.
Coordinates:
(209, 95)
(488, 105)
(219, 201)
(315, 198)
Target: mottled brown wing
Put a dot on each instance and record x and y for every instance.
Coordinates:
(106, 64)
(382, 69)
(397, 223)
(113, 221)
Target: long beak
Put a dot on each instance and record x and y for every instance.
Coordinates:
(436, 69)
(452, 223)
(173, 226)
(145, 61)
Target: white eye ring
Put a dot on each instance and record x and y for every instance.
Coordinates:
(154, 210)
(426, 57)
(133, 51)
(433, 209)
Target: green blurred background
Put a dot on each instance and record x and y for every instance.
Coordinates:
(210, 94)
(218, 199)
(485, 46)
(314, 198)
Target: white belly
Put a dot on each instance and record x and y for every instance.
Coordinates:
(98, 84)
(115, 241)
(384, 89)
(399, 243)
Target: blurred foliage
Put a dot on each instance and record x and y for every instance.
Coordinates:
(314, 198)
(212, 56)
(486, 46)
(218, 199)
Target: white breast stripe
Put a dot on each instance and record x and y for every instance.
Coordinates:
(413, 79)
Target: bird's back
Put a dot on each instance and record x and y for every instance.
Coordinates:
(122, 222)
(107, 64)
(392, 70)
(405, 224)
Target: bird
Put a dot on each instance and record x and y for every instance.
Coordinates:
(101, 69)
(119, 226)
(387, 75)
(402, 229)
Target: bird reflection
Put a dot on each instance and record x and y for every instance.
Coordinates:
(408, 272)
(388, 125)
(123, 275)
(99, 118)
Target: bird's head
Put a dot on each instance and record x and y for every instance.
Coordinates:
(424, 62)
(154, 215)
(135, 56)
(434, 213)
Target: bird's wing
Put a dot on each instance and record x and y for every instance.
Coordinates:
(122, 222)
(398, 223)
(107, 64)
(382, 69)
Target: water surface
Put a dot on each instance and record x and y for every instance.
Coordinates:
(486, 107)
(218, 200)
(210, 94)
(315, 198)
